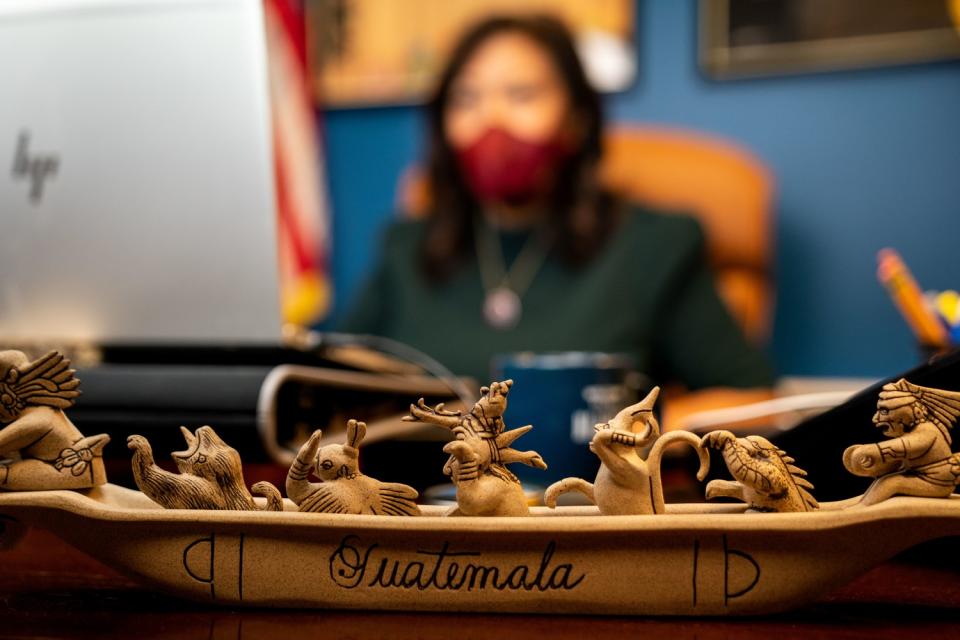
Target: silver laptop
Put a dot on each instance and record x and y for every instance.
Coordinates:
(136, 176)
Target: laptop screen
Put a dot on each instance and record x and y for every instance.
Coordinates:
(136, 175)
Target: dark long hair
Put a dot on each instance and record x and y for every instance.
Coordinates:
(582, 214)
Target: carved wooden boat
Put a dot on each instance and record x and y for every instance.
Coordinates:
(694, 560)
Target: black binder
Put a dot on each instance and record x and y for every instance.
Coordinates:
(262, 401)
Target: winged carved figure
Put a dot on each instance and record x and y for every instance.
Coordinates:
(40, 449)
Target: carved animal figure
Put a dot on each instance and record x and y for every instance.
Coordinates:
(627, 484)
(40, 449)
(916, 459)
(343, 489)
(765, 477)
(479, 455)
(211, 475)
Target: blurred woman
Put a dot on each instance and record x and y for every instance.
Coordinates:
(523, 250)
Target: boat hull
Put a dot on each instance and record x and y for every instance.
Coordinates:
(694, 560)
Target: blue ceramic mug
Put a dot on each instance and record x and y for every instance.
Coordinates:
(563, 395)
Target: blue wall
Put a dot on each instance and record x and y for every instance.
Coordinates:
(863, 159)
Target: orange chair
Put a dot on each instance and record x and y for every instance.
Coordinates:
(723, 185)
(731, 193)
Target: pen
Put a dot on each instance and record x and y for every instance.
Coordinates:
(903, 290)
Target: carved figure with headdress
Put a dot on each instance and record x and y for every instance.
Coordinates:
(917, 459)
(40, 449)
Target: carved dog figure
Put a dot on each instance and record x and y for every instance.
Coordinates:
(343, 488)
(211, 475)
(40, 449)
(479, 455)
(626, 484)
(765, 477)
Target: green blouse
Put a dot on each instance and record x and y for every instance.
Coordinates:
(649, 294)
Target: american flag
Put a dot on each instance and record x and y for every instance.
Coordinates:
(302, 205)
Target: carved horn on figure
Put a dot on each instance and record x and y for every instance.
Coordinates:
(646, 405)
(420, 412)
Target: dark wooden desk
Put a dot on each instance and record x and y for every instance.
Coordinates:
(51, 590)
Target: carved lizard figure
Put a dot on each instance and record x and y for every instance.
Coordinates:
(766, 478)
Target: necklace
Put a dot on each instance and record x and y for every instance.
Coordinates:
(503, 287)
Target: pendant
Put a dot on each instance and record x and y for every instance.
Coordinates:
(502, 308)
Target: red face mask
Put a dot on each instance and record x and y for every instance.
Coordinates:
(503, 168)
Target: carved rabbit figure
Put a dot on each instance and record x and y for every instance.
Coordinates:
(626, 484)
(343, 489)
(211, 475)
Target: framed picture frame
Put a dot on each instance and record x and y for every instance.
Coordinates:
(366, 53)
(751, 38)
